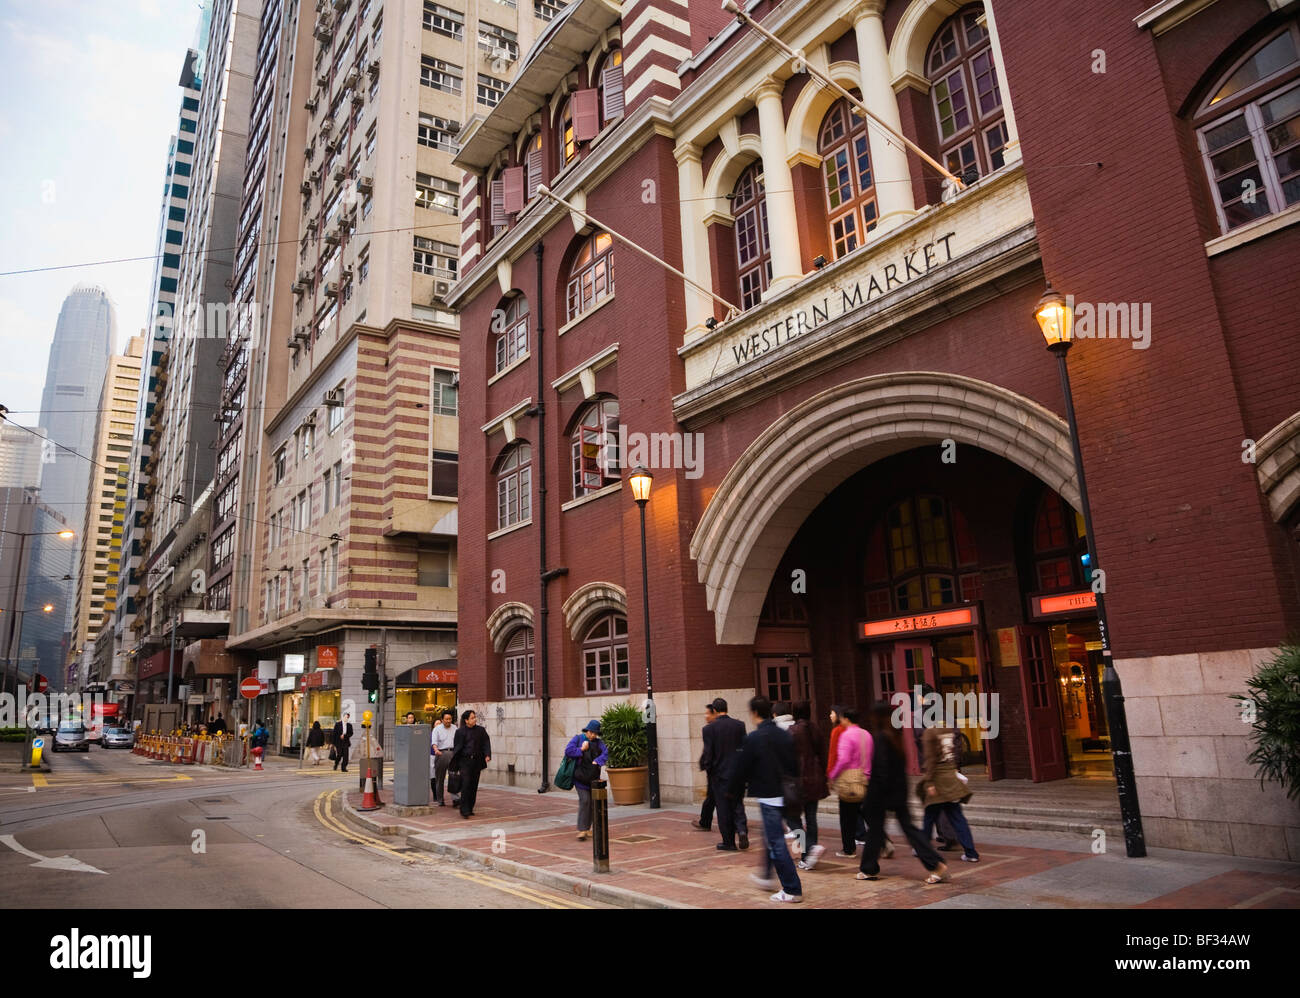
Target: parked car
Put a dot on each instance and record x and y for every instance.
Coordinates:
(71, 735)
(116, 736)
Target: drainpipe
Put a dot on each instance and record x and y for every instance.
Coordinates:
(539, 410)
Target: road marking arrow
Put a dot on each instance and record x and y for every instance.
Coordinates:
(48, 862)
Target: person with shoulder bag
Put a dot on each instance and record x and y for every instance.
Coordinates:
(588, 752)
(943, 789)
(813, 786)
(848, 775)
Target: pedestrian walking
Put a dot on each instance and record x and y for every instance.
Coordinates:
(887, 793)
(848, 775)
(589, 752)
(705, 821)
(764, 763)
(218, 727)
(837, 727)
(943, 789)
(443, 743)
(722, 739)
(810, 758)
(315, 739)
(782, 715)
(470, 754)
(342, 741)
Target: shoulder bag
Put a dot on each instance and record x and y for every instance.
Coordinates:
(850, 786)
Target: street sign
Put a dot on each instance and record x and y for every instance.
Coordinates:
(38, 743)
(251, 688)
(41, 684)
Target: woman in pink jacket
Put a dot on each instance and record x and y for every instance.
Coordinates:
(848, 775)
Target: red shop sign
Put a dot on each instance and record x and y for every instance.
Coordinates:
(443, 677)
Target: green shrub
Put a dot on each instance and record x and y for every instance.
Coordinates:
(1275, 700)
(623, 729)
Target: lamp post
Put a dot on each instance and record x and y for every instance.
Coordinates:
(1055, 318)
(15, 622)
(641, 480)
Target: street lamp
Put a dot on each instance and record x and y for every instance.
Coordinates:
(1055, 318)
(15, 622)
(641, 480)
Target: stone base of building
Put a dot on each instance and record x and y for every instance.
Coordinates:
(515, 729)
(1190, 741)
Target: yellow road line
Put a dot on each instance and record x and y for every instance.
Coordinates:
(39, 781)
(321, 807)
(527, 893)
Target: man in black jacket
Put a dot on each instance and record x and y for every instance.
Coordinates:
(342, 741)
(762, 764)
(470, 754)
(722, 739)
(705, 821)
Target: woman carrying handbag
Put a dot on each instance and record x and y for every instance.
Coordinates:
(849, 773)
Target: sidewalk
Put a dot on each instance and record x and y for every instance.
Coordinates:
(658, 860)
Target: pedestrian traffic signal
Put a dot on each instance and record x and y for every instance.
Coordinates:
(373, 695)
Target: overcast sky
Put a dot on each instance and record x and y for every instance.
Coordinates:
(88, 104)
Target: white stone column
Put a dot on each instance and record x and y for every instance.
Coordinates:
(782, 219)
(695, 238)
(888, 156)
(1012, 153)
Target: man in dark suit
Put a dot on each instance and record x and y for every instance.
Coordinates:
(342, 741)
(470, 754)
(722, 739)
(705, 821)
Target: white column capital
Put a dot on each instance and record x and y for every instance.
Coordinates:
(866, 9)
(770, 87)
(688, 152)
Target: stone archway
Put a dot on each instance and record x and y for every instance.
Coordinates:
(807, 453)
(1277, 463)
(505, 620)
(589, 602)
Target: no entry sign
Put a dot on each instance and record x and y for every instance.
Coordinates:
(250, 688)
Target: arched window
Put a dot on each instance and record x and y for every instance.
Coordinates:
(568, 141)
(1249, 132)
(595, 451)
(510, 332)
(850, 185)
(964, 90)
(753, 254)
(591, 278)
(1059, 545)
(514, 475)
(604, 656)
(519, 664)
(609, 84)
(913, 557)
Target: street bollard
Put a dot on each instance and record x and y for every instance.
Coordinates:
(599, 827)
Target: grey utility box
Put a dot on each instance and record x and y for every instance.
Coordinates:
(411, 764)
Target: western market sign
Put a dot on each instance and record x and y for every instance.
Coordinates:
(946, 243)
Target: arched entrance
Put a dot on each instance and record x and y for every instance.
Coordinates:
(918, 529)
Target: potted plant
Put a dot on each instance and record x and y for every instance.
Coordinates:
(1273, 709)
(623, 729)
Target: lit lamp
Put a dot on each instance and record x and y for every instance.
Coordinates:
(641, 480)
(1055, 318)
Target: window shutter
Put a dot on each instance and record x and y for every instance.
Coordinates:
(534, 171)
(498, 202)
(612, 80)
(586, 115)
(512, 196)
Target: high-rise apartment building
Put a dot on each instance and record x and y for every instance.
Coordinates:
(110, 453)
(136, 537)
(33, 577)
(348, 538)
(187, 384)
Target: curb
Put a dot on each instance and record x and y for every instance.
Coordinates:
(621, 897)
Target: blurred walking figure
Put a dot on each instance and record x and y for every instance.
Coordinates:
(315, 739)
(722, 740)
(782, 715)
(589, 752)
(811, 761)
(850, 769)
(943, 790)
(764, 762)
(705, 821)
(469, 757)
(887, 793)
(837, 728)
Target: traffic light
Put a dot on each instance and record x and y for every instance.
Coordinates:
(374, 696)
(370, 677)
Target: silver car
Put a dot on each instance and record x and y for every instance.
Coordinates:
(71, 735)
(118, 737)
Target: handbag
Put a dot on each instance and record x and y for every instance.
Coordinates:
(793, 798)
(334, 753)
(454, 782)
(850, 786)
(564, 775)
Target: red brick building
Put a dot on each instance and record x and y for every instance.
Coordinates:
(863, 476)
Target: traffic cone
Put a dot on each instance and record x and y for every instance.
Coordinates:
(369, 801)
